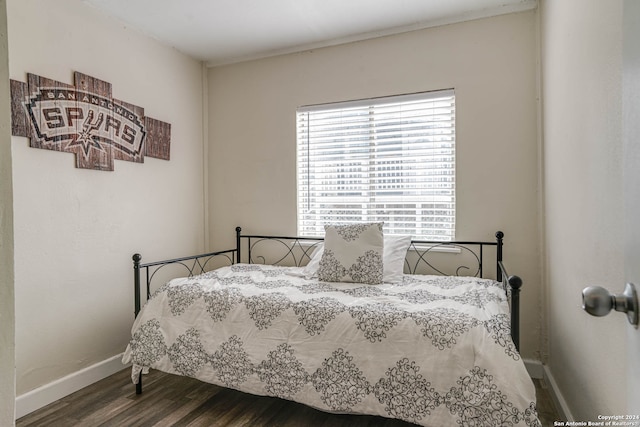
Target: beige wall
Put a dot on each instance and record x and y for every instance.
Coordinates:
(492, 65)
(7, 313)
(76, 229)
(581, 57)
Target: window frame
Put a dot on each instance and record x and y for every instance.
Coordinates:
(437, 132)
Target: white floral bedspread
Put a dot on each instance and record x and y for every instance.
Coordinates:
(431, 350)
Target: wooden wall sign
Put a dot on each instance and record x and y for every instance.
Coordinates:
(86, 120)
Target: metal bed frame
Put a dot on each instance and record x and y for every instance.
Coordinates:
(297, 251)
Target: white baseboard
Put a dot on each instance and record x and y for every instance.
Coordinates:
(539, 371)
(49, 393)
(534, 368)
(558, 399)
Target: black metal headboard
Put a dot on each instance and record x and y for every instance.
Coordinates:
(297, 251)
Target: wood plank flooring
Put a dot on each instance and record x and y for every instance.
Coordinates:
(169, 400)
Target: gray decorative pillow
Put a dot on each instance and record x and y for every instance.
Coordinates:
(352, 253)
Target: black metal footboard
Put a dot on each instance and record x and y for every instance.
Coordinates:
(188, 266)
(512, 285)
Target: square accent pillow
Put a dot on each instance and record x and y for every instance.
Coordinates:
(352, 253)
(393, 256)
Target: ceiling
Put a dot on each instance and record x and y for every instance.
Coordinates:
(227, 31)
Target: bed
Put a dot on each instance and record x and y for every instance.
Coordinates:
(426, 346)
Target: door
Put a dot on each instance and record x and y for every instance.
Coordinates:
(631, 177)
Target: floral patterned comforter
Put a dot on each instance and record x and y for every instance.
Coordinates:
(431, 350)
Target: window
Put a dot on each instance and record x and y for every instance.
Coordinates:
(387, 159)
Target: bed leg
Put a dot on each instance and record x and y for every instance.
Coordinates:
(139, 385)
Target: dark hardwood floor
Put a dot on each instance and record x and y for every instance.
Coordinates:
(181, 401)
(547, 412)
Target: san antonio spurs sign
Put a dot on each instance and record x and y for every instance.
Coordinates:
(86, 120)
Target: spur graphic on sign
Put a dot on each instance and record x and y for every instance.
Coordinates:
(86, 120)
(71, 117)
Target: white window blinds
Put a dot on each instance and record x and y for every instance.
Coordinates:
(387, 159)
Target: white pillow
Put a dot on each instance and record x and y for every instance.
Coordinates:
(311, 269)
(352, 253)
(395, 252)
(393, 256)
